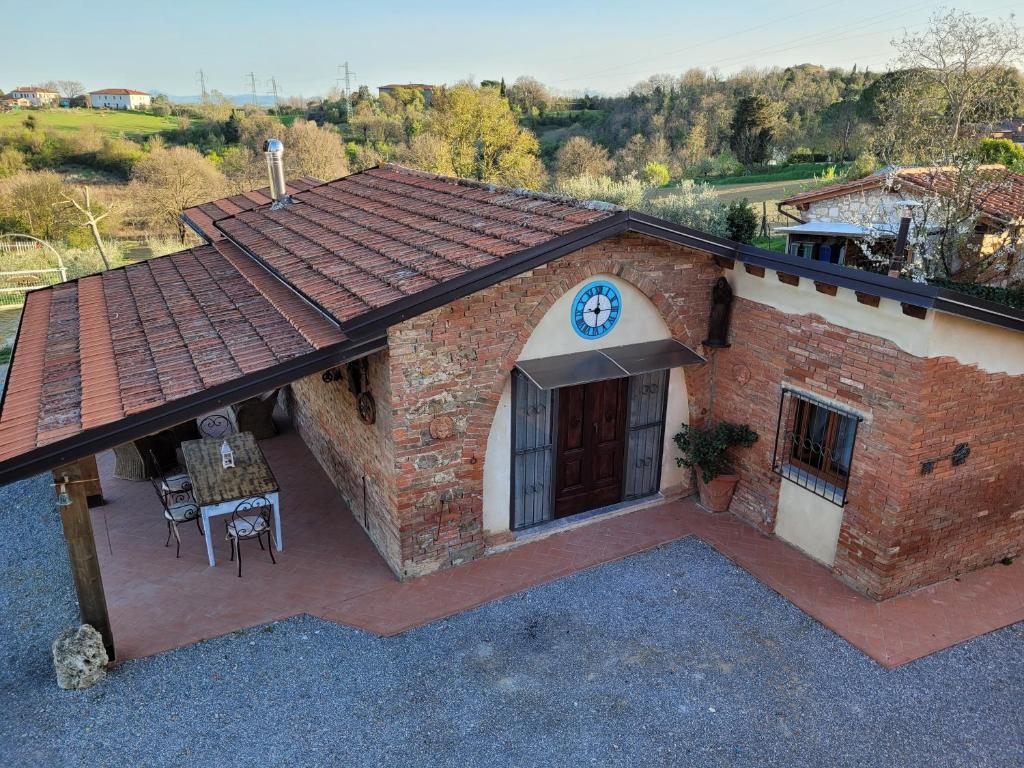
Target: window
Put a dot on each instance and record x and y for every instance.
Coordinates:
(814, 445)
(801, 248)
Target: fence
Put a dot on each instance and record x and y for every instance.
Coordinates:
(26, 264)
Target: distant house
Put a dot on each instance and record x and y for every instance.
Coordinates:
(119, 98)
(1012, 129)
(34, 96)
(426, 90)
(841, 223)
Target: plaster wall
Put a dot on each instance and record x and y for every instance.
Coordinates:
(553, 335)
(969, 342)
(808, 522)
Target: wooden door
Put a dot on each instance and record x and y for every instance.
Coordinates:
(590, 447)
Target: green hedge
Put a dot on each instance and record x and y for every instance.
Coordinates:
(1006, 296)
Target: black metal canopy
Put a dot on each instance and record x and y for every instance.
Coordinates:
(610, 363)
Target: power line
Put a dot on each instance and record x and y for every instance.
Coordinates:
(876, 20)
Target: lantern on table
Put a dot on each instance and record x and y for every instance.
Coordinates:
(227, 456)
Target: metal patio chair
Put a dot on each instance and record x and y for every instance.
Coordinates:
(170, 482)
(217, 424)
(250, 520)
(179, 507)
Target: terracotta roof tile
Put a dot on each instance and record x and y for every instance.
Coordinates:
(93, 351)
(371, 239)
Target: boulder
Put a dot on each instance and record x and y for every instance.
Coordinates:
(79, 658)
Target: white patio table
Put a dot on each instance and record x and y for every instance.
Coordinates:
(218, 491)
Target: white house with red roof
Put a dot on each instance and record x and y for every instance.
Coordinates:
(119, 98)
(34, 96)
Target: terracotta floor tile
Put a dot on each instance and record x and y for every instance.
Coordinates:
(330, 569)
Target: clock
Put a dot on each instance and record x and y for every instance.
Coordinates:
(596, 309)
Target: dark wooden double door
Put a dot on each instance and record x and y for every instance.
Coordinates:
(590, 446)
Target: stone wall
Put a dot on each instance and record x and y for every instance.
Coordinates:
(356, 456)
(448, 368)
(872, 206)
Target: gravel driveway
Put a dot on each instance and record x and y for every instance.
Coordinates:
(671, 658)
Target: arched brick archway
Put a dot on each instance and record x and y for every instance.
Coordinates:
(491, 480)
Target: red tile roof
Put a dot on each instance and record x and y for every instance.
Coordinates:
(128, 340)
(117, 92)
(371, 239)
(201, 217)
(1001, 197)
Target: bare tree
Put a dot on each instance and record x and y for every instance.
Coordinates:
(167, 181)
(70, 88)
(91, 218)
(965, 58)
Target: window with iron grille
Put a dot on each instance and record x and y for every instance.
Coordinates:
(814, 445)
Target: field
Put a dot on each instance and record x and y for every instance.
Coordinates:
(130, 124)
(792, 172)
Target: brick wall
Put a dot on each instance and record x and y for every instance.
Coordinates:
(960, 518)
(448, 368)
(439, 384)
(900, 529)
(348, 450)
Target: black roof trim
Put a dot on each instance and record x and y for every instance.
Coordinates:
(195, 228)
(147, 422)
(904, 291)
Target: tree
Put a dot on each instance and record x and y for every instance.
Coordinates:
(628, 193)
(741, 221)
(311, 150)
(31, 203)
(1001, 151)
(91, 218)
(656, 174)
(70, 89)
(690, 205)
(167, 181)
(752, 128)
(966, 58)
(484, 139)
(580, 156)
(528, 97)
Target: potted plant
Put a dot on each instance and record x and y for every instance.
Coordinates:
(706, 451)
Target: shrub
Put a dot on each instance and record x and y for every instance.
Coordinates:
(691, 205)
(741, 221)
(629, 193)
(656, 174)
(801, 155)
(708, 448)
(863, 165)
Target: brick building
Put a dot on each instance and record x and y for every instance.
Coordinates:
(470, 364)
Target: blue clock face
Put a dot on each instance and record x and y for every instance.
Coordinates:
(596, 309)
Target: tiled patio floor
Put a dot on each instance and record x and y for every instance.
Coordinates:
(330, 569)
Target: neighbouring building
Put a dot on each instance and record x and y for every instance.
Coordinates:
(469, 363)
(119, 98)
(849, 222)
(427, 91)
(34, 96)
(1012, 128)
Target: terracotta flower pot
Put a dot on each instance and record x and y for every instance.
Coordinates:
(716, 495)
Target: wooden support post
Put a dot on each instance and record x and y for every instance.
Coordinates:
(90, 473)
(85, 564)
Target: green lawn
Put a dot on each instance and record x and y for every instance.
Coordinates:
(132, 124)
(786, 173)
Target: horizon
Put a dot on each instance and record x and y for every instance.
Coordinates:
(783, 35)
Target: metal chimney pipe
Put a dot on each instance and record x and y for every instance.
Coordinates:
(273, 150)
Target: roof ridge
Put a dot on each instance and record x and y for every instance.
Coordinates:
(591, 205)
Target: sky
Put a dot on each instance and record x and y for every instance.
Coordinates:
(570, 45)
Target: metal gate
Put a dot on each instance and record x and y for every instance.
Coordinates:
(645, 433)
(532, 452)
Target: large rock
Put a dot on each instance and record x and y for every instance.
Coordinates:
(79, 658)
